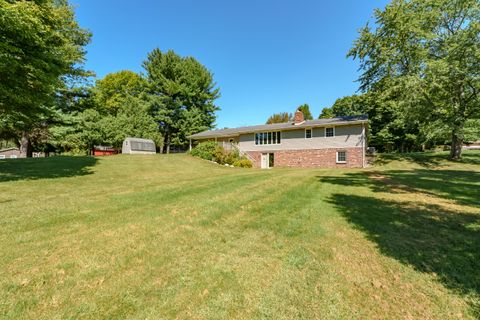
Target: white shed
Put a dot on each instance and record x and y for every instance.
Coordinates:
(138, 146)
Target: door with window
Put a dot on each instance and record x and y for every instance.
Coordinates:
(267, 160)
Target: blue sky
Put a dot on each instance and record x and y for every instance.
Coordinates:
(266, 56)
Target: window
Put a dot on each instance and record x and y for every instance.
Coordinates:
(341, 156)
(2, 156)
(267, 138)
(330, 132)
(308, 133)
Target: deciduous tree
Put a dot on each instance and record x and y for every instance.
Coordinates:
(426, 54)
(41, 49)
(115, 88)
(281, 117)
(305, 108)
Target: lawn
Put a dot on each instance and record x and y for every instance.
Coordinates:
(164, 237)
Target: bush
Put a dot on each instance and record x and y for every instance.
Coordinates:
(205, 150)
(210, 150)
(223, 156)
(242, 163)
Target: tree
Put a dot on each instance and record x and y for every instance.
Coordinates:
(114, 89)
(326, 113)
(41, 50)
(472, 131)
(305, 108)
(390, 128)
(81, 131)
(281, 117)
(350, 106)
(181, 93)
(132, 120)
(426, 53)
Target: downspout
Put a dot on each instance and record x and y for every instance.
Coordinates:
(190, 146)
(363, 144)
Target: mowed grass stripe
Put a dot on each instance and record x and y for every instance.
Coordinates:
(176, 237)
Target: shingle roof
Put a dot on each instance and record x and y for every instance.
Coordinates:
(279, 126)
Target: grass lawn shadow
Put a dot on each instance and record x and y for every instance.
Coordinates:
(424, 236)
(428, 159)
(460, 186)
(45, 168)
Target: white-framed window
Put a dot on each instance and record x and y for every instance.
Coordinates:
(268, 138)
(13, 156)
(330, 132)
(308, 133)
(2, 156)
(341, 156)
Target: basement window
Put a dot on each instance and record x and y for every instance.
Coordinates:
(341, 156)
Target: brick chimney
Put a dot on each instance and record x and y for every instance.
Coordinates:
(298, 118)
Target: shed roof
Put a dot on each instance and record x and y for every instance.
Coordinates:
(138, 139)
(279, 126)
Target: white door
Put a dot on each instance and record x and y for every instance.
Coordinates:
(264, 161)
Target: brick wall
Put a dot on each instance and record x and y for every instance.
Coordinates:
(312, 158)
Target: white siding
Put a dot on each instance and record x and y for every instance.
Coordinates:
(345, 137)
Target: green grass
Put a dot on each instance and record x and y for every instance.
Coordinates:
(177, 237)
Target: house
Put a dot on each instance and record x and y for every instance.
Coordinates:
(11, 153)
(472, 145)
(138, 146)
(335, 142)
(14, 153)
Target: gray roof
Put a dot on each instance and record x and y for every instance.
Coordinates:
(279, 126)
(138, 139)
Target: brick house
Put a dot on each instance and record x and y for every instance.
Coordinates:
(335, 142)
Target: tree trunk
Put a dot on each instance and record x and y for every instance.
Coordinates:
(457, 144)
(167, 144)
(25, 146)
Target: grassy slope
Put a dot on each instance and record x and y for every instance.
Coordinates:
(177, 237)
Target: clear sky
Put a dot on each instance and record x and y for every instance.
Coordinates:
(266, 56)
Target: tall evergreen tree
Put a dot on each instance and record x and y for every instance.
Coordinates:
(182, 94)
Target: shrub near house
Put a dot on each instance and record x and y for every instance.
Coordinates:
(210, 150)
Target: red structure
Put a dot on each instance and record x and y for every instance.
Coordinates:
(104, 151)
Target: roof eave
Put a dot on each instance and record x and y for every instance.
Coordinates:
(303, 125)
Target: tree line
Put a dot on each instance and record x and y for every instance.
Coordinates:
(48, 103)
(420, 76)
(419, 82)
